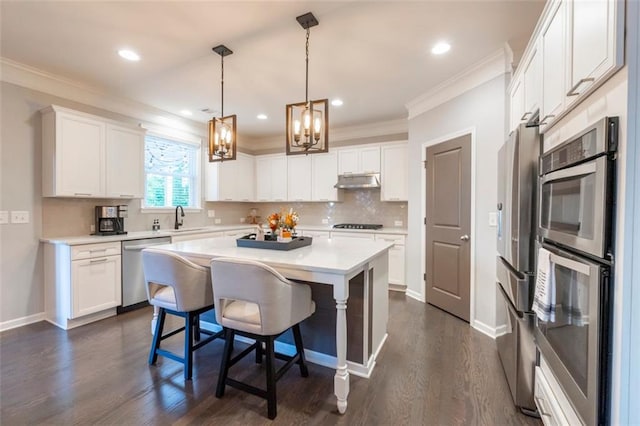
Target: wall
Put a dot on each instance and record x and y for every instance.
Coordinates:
(481, 110)
(21, 279)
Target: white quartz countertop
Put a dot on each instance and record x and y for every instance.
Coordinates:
(138, 235)
(323, 255)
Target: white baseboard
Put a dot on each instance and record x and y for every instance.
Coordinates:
(501, 330)
(415, 295)
(398, 287)
(19, 322)
(489, 331)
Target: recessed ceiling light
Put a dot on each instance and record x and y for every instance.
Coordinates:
(129, 55)
(337, 102)
(262, 116)
(440, 48)
(186, 112)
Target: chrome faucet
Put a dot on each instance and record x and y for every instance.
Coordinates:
(178, 223)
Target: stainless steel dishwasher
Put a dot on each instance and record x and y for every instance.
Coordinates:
(134, 293)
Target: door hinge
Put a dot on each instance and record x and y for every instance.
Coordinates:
(424, 276)
(425, 164)
(425, 221)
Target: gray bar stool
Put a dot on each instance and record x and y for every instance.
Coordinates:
(179, 287)
(255, 301)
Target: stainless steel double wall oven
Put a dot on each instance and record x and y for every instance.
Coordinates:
(576, 213)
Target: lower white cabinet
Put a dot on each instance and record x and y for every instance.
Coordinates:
(195, 236)
(350, 235)
(316, 235)
(396, 258)
(82, 283)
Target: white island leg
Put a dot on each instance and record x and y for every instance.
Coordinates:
(341, 379)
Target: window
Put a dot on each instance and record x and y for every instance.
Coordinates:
(171, 172)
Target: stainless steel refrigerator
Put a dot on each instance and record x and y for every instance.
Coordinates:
(515, 269)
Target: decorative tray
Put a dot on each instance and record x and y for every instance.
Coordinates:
(250, 241)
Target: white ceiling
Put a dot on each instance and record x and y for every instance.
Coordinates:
(373, 55)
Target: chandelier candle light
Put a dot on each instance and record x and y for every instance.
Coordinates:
(308, 121)
(222, 131)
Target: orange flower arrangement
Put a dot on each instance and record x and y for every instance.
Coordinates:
(273, 221)
(283, 222)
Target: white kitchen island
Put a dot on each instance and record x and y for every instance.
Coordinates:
(337, 263)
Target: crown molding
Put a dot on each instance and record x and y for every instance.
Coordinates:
(487, 69)
(35, 79)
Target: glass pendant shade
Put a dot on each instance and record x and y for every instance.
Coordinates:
(222, 138)
(307, 124)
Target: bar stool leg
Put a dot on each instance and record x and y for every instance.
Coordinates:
(224, 365)
(188, 346)
(297, 337)
(259, 352)
(157, 337)
(272, 410)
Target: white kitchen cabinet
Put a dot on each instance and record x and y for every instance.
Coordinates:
(232, 180)
(271, 177)
(73, 150)
(299, 177)
(359, 160)
(339, 235)
(324, 175)
(396, 260)
(395, 173)
(315, 234)
(82, 283)
(516, 106)
(195, 236)
(124, 162)
(526, 88)
(595, 44)
(89, 156)
(553, 64)
(237, 233)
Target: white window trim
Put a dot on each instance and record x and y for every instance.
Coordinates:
(189, 139)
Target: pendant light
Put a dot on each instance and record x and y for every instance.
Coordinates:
(308, 121)
(222, 131)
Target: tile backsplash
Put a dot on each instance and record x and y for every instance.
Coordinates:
(69, 216)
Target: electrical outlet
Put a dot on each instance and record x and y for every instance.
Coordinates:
(242, 219)
(211, 213)
(92, 228)
(397, 223)
(19, 216)
(218, 221)
(325, 221)
(493, 219)
(4, 217)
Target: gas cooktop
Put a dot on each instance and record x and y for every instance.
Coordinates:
(357, 226)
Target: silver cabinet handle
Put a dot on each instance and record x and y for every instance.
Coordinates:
(104, 259)
(464, 238)
(525, 116)
(544, 118)
(126, 196)
(572, 91)
(85, 194)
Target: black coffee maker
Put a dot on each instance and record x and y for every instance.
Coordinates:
(110, 220)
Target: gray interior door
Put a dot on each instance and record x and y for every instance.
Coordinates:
(448, 220)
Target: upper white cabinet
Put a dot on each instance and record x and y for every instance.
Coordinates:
(395, 174)
(324, 170)
(271, 177)
(231, 180)
(580, 45)
(88, 156)
(516, 110)
(299, 177)
(125, 160)
(359, 160)
(553, 64)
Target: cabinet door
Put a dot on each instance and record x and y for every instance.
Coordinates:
(396, 265)
(324, 175)
(532, 81)
(370, 160)
(553, 65)
(79, 155)
(592, 43)
(316, 235)
(516, 109)
(96, 285)
(348, 161)
(124, 162)
(263, 179)
(395, 174)
(351, 235)
(279, 178)
(245, 177)
(299, 178)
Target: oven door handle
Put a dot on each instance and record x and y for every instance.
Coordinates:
(581, 170)
(571, 264)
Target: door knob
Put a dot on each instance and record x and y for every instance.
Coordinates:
(464, 238)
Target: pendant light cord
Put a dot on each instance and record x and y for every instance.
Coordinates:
(222, 86)
(306, 82)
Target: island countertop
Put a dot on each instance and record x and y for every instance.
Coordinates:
(342, 257)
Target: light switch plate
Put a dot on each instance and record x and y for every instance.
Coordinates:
(211, 213)
(19, 216)
(493, 219)
(242, 219)
(218, 221)
(397, 223)
(4, 217)
(325, 221)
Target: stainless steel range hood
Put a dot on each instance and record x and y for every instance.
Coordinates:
(356, 181)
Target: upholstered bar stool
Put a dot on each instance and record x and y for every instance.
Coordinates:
(255, 301)
(178, 287)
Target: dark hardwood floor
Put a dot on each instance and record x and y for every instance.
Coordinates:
(433, 370)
